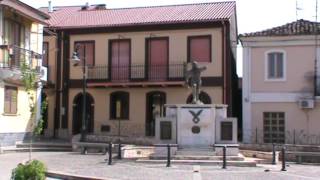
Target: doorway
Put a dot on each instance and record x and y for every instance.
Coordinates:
(154, 108)
(77, 113)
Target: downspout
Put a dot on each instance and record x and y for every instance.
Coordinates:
(224, 93)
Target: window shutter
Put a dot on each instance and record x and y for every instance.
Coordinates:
(7, 98)
(89, 51)
(200, 49)
(279, 65)
(45, 54)
(14, 101)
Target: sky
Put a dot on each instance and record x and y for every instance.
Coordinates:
(252, 15)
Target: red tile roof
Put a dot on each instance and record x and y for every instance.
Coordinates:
(299, 27)
(74, 17)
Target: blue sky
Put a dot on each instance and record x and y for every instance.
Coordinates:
(253, 15)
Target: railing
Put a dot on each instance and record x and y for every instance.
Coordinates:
(294, 136)
(137, 72)
(12, 56)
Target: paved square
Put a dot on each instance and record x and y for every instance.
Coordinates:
(95, 165)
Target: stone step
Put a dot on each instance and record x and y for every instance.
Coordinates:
(44, 145)
(201, 162)
(36, 149)
(217, 158)
(196, 152)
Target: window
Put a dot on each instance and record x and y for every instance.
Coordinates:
(45, 54)
(119, 105)
(120, 52)
(274, 127)
(10, 100)
(275, 66)
(199, 48)
(157, 58)
(85, 51)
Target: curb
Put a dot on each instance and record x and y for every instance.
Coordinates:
(65, 176)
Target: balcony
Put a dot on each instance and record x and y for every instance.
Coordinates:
(136, 75)
(13, 57)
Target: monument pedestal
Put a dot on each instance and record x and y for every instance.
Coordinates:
(193, 126)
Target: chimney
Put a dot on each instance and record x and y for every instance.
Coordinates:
(85, 7)
(50, 8)
(100, 7)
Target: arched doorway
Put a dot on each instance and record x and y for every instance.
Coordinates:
(77, 113)
(154, 108)
(44, 112)
(203, 96)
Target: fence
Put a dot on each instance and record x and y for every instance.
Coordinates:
(294, 136)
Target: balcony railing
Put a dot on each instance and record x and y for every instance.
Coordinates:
(137, 72)
(12, 56)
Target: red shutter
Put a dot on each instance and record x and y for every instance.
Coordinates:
(89, 51)
(120, 60)
(200, 49)
(85, 50)
(158, 59)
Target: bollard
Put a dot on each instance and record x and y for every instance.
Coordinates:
(224, 159)
(168, 156)
(119, 151)
(283, 152)
(273, 154)
(110, 154)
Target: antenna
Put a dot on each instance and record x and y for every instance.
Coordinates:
(297, 9)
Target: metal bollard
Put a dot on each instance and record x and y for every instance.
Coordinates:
(110, 154)
(273, 154)
(168, 156)
(283, 152)
(224, 158)
(119, 151)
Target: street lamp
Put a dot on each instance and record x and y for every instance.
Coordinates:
(77, 61)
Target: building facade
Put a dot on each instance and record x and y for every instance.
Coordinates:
(135, 60)
(21, 37)
(281, 84)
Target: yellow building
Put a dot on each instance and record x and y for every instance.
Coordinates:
(135, 59)
(21, 38)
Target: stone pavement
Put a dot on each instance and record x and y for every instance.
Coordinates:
(95, 165)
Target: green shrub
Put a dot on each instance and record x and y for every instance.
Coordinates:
(32, 170)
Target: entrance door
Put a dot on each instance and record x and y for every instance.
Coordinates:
(157, 58)
(119, 60)
(77, 114)
(154, 108)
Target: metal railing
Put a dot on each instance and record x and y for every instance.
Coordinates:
(137, 72)
(294, 136)
(12, 56)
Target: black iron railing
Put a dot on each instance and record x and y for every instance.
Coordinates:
(137, 72)
(12, 56)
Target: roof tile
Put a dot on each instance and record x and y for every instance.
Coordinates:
(74, 17)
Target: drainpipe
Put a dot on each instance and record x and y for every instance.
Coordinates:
(224, 93)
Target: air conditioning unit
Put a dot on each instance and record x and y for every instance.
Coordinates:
(43, 73)
(306, 103)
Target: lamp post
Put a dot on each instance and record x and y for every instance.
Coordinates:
(77, 60)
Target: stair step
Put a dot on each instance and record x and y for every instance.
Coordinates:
(203, 162)
(229, 158)
(44, 145)
(36, 149)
